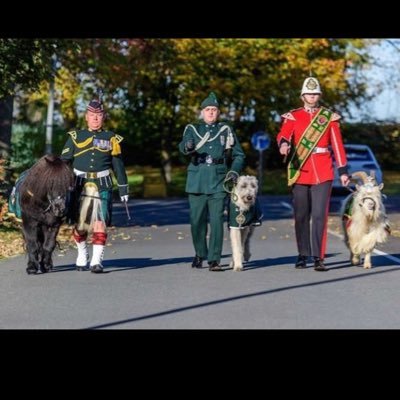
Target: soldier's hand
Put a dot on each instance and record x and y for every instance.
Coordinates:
(345, 180)
(124, 198)
(189, 145)
(232, 176)
(284, 149)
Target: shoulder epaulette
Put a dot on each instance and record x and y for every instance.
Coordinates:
(288, 115)
(335, 117)
(118, 138)
(115, 147)
(72, 134)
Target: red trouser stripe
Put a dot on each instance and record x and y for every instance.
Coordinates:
(324, 235)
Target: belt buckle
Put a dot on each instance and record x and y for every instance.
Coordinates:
(92, 175)
(209, 159)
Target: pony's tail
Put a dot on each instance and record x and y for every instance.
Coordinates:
(90, 209)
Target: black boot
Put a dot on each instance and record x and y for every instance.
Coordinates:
(301, 262)
(197, 262)
(319, 264)
(82, 268)
(96, 269)
(214, 266)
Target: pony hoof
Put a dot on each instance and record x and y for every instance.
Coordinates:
(31, 271)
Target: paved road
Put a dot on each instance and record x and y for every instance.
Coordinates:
(176, 210)
(149, 284)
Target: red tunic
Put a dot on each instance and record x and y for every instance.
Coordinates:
(318, 167)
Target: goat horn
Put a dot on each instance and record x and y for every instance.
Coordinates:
(360, 174)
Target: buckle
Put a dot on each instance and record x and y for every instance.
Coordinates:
(92, 175)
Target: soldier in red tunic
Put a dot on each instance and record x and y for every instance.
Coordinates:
(310, 130)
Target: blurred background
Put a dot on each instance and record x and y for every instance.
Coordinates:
(153, 88)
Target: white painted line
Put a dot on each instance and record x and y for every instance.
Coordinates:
(336, 234)
(287, 205)
(393, 258)
(378, 252)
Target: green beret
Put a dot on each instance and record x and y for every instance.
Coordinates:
(210, 101)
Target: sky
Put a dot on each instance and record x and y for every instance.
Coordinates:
(384, 82)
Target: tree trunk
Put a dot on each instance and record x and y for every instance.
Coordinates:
(166, 165)
(6, 114)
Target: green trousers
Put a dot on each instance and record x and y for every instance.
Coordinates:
(202, 206)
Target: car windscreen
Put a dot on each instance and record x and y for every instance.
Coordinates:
(358, 155)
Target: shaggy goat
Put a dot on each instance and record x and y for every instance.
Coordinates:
(365, 223)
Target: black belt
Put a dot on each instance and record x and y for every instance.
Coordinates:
(207, 160)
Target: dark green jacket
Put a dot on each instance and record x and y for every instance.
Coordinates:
(250, 215)
(208, 177)
(95, 151)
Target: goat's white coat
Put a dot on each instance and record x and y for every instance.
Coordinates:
(369, 224)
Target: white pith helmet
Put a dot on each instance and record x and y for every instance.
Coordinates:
(311, 86)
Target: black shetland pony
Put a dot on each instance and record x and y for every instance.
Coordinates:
(45, 196)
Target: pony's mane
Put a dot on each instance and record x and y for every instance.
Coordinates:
(50, 175)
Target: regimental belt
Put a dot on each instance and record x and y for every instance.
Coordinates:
(207, 160)
(311, 135)
(91, 175)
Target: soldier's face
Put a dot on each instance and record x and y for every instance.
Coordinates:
(311, 99)
(94, 120)
(210, 114)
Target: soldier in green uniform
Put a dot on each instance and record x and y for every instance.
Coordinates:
(93, 152)
(209, 143)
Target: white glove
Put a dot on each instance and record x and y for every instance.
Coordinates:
(124, 199)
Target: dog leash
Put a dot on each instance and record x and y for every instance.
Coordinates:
(231, 192)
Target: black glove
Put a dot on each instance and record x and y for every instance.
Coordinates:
(189, 145)
(232, 176)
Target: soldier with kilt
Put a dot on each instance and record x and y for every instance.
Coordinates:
(310, 130)
(94, 152)
(208, 143)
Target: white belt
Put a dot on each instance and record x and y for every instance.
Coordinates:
(320, 150)
(91, 175)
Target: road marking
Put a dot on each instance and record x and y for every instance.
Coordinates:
(393, 258)
(287, 205)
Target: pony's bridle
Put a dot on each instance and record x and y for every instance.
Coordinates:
(51, 203)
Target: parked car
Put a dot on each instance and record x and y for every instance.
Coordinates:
(359, 158)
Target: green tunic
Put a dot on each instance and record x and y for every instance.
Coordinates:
(92, 152)
(208, 177)
(214, 145)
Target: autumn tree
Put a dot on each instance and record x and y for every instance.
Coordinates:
(153, 87)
